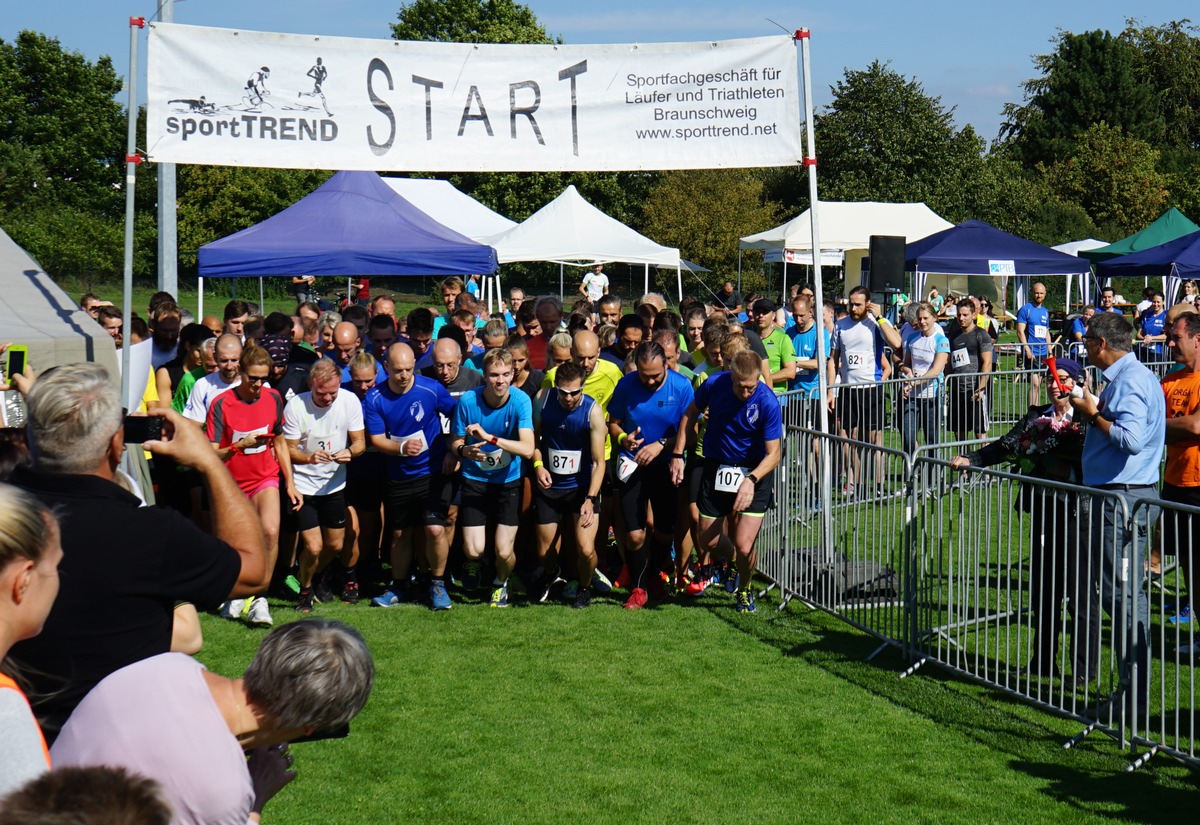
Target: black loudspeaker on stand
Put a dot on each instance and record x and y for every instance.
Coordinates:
(887, 263)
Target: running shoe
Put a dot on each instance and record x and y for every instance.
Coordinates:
(389, 598)
(698, 585)
(500, 596)
(471, 576)
(623, 579)
(260, 613)
(304, 604)
(1184, 616)
(350, 594)
(583, 598)
(601, 582)
(231, 609)
(637, 599)
(321, 589)
(732, 580)
(439, 599)
(745, 602)
(539, 589)
(292, 583)
(571, 590)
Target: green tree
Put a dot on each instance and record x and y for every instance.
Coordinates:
(1113, 176)
(1167, 58)
(1088, 78)
(60, 109)
(469, 21)
(883, 138)
(703, 212)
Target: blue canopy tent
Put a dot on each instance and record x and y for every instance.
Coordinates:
(977, 248)
(353, 224)
(1173, 261)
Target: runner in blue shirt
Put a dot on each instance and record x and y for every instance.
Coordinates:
(1033, 331)
(1151, 328)
(401, 416)
(644, 415)
(741, 450)
(492, 434)
(569, 471)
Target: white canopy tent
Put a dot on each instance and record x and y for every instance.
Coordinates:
(450, 206)
(845, 225)
(1085, 283)
(569, 230)
(37, 313)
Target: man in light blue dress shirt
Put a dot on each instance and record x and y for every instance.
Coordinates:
(1122, 454)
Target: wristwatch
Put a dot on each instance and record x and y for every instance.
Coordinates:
(753, 478)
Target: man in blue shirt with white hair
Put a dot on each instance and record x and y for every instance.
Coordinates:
(1121, 454)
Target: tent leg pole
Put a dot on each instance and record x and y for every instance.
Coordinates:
(262, 300)
(562, 295)
(199, 300)
(646, 280)
(679, 283)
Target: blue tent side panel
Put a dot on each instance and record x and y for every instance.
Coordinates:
(1180, 256)
(353, 224)
(966, 249)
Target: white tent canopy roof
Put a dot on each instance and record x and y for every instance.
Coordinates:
(571, 229)
(449, 206)
(36, 312)
(1075, 247)
(850, 225)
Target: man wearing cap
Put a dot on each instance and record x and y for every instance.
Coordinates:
(781, 355)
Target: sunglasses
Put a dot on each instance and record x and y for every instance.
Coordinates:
(569, 393)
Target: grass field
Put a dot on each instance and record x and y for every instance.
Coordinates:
(684, 713)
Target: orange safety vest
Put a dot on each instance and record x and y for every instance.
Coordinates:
(7, 682)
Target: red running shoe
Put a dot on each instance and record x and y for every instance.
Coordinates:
(637, 599)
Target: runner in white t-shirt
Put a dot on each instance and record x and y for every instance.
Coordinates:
(595, 284)
(324, 431)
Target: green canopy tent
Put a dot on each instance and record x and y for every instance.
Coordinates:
(1170, 225)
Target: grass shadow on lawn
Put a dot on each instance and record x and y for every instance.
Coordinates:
(1090, 777)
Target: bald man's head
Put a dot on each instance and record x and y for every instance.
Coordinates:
(229, 357)
(345, 342)
(585, 350)
(400, 363)
(447, 359)
(214, 323)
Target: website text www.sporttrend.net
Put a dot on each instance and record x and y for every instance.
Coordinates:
(707, 132)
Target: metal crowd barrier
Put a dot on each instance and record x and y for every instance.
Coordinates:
(997, 577)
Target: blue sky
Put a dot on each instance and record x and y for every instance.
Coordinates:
(973, 55)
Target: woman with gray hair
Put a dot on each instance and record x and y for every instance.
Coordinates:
(169, 719)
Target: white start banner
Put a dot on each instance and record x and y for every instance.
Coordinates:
(245, 98)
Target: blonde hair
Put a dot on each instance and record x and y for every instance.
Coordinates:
(25, 526)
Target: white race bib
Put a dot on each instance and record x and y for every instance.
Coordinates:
(625, 467)
(1041, 333)
(565, 462)
(856, 359)
(238, 436)
(494, 459)
(419, 436)
(445, 424)
(960, 358)
(729, 478)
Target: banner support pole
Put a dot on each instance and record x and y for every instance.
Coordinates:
(132, 159)
(810, 161)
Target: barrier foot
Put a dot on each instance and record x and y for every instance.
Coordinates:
(1079, 737)
(910, 671)
(783, 600)
(1141, 760)
(877, 651)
